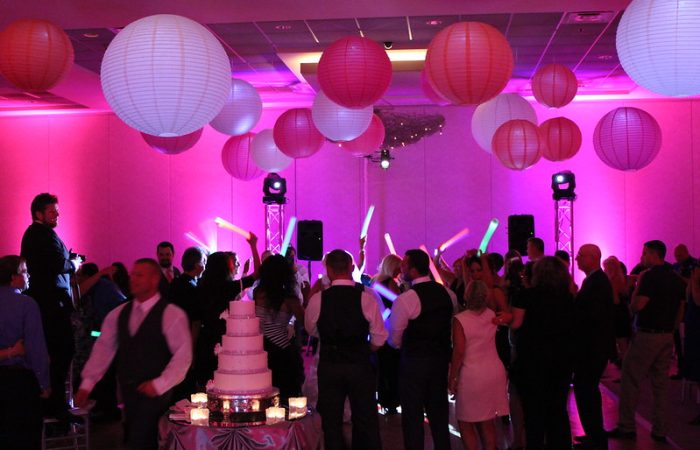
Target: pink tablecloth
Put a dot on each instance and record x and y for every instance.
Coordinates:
(300, 434)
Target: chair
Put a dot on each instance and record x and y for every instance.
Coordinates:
(77, 437)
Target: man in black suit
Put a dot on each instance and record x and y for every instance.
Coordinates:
(593, 342)
(50, 266)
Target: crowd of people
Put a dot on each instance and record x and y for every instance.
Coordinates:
(507, 336)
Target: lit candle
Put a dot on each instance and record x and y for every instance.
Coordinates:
(199, 417)
(199, 399)
(297, 407)
(274, 414)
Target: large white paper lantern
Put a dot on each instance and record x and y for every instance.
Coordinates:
(492, 114)
(266, 154)
(338, 123)
(165, 75)
(657, 45)
(241, 111)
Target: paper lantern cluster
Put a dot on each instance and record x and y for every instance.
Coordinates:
(296, 135)
(561, 139)
(656, 43)
(237, 160)
(266, 154)
(172, 145)
(338, 123)
(492, 114)
(516, 143)
(34, 54)
(369, 142)
(469, 62)
(554, 85)
(165, 75)
(627, 139)
(354, 72)
(241, 111)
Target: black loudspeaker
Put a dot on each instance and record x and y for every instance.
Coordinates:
(520, 228)
(310, 240)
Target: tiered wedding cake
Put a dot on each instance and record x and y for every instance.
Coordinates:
(242, 386)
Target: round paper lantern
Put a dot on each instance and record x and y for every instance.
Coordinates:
(627, 139)
(266, 154)
(296, 135)
(554, 85)
(236, 158)
(656, 43)
(561, 139)
(516, 143)
(469, 62)
(354, 72)
(434, 97)
(241, 111)
(369, 141)
(34, 54)
(165, 75)
(338, 123)
(172, 145)
(492, 114)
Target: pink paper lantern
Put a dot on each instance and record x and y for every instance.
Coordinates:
(172, 145)
(627, 139)
(561, 139)
(296, 135)
(434, 97)
(237, 160)
(554, 85)
(517, 145)
(354, 72)
(34, 54)
(469, 62)
(369, 141)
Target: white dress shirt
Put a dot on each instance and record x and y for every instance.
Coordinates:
(372, 308)
(175, 327)
(407, 307)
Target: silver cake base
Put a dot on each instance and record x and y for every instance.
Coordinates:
(240, 410)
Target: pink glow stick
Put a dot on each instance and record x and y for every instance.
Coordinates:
(389, 243)
(454, 239)
(433, 269)
(231, 227)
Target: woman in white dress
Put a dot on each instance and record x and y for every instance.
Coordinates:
(477, 375)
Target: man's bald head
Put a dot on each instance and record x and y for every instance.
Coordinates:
(588, 258)
(145, 278)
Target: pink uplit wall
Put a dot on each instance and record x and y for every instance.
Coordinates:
(118, 198)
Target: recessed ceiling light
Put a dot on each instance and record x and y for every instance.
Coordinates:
(283, 27)
(433, 22)
(91, 35)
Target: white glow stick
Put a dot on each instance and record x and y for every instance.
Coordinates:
(433, 269)
(384, 291)
(229, 226)
(454, 239)
(385, 314)
(488, 235)
(389, 243)
(189, 235)
(368, 219)
(288, 235)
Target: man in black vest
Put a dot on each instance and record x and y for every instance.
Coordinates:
(421, 320)
(594, 339)
(342, 317)
(154, 347)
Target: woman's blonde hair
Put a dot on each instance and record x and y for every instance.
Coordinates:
(476, 295)
(387, 268)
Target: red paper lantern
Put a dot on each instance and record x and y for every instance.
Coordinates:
(296, 135)
(369, 141)
(516, 143)
(172, 145)
(469, 62)
(554, 85)
(34, 54)
(237, 159)
(434, 97)
(354, 72)
(627, 139)
(561, 139)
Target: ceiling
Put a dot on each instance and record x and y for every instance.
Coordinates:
(266, 40)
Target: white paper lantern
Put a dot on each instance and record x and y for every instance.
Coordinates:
(266, 154)
(657, 45)
(492, 114)
(338, 123)
(241, 111)
(165, 75)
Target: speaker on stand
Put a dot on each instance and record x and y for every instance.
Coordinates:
(520, 229)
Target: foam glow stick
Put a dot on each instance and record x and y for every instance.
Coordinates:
(229, 226)
(368, 219)
(384, 291)
(433, 269)
(454, 239)
(488, 235)
(95, 333)
(389, 243)
(385, 314)
(189, 235)
(288, 235)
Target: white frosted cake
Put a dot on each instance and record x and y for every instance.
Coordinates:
(242, 361)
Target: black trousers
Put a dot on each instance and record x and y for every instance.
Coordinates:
(20, 409)
(60, 348)
(336, 381)
(142, 414)
(423, 387)
(546, 417)
(389, 360)
(587, 374)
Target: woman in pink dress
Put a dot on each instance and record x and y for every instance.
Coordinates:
(477, 375)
